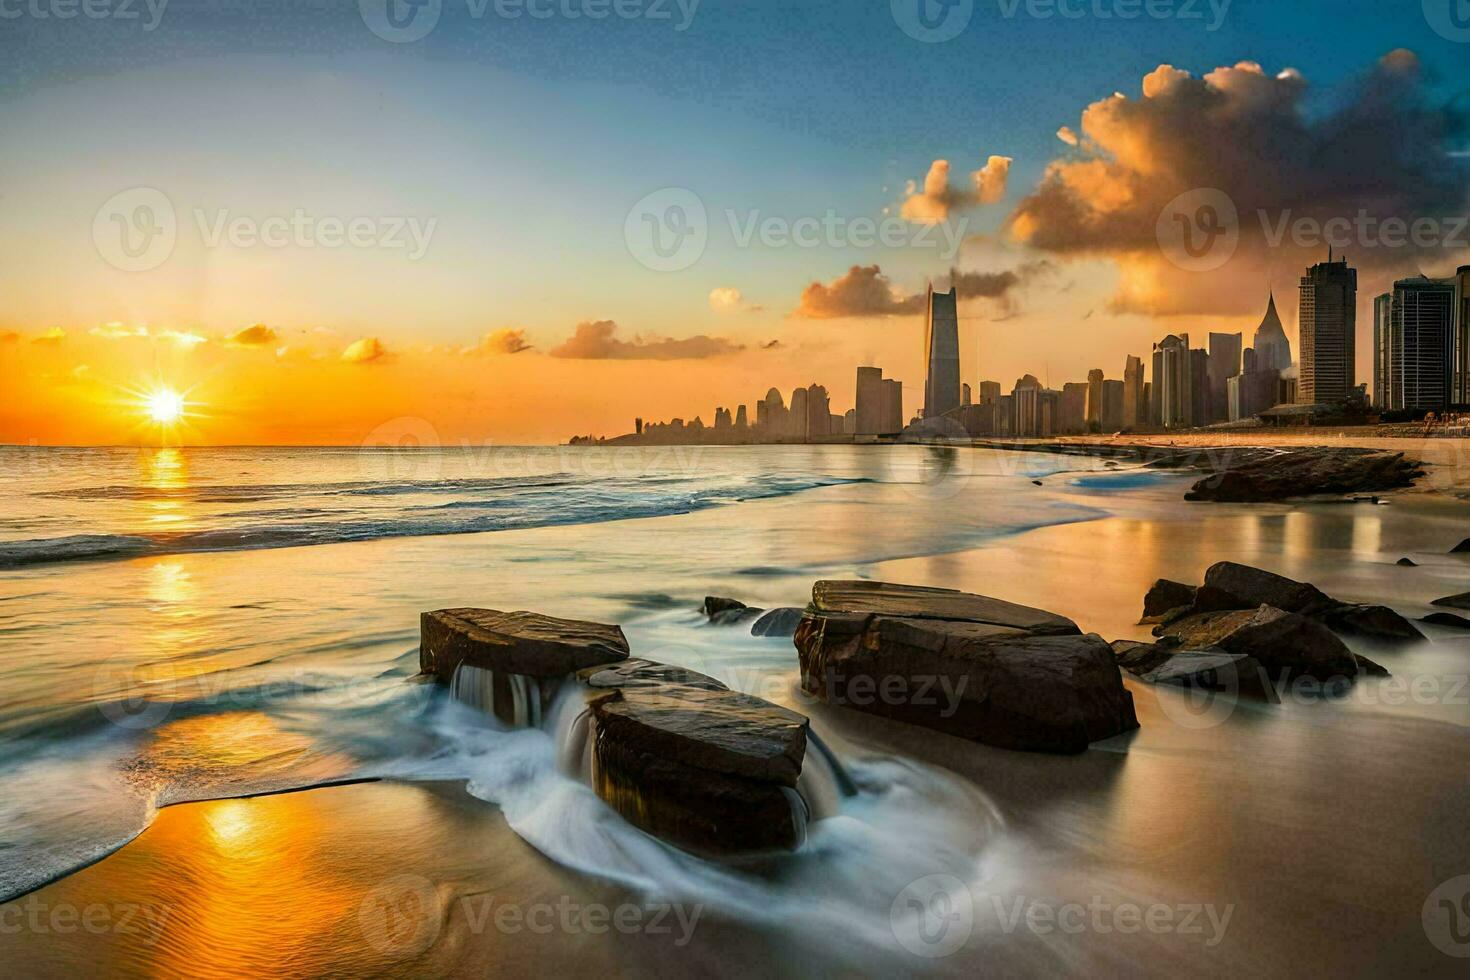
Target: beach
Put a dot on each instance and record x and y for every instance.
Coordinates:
(1217, 838)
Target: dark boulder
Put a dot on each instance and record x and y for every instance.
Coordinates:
(1164, 597)
(1462, 548)
(1248, 477)
(1377, 623)
(1252, 587)
(682, 757)
(967, 665)
(1407, 563)
(1448, 619)
(781, 621)
(1286, 644)
(1461, 601)
(727, 612)
(524, 643)
(1160, 663)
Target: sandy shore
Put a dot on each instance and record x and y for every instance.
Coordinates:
(1312, 831)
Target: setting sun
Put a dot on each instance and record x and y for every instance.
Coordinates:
(164, 406)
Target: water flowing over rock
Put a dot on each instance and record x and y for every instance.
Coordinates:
(781, 621)
(968, 665)
(1232, 586)
(682, 757)
(514, 642)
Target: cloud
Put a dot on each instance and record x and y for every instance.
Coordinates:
(1066, 135)
(183, 338)
(365, 351)
(53, 336)
(257, 336)
(1384, 149)
(595, 340)
(507, 340)
(865, 292)
(937, 199)
(8, 336)
(728, 299)
(117, 331)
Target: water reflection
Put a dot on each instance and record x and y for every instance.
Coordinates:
(164, 469)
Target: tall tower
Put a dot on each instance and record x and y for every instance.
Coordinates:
(942, 354)
(1413, 345)
(1328, 333)
(1272, 348)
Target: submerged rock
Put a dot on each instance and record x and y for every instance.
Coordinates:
(1461, 548)
(1279, 475)
(523, 643)
(1407, 563)
(1461, 601)
(727, 612)
(781, 621)
(1448, 619)
(682, 757)
(968, 665)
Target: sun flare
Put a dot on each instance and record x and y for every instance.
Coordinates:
(164, 406)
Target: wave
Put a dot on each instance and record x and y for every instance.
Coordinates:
(257, 492)
(594, 504)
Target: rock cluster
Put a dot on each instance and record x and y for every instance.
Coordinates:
(780, 621)
(676, 753)
(968, 665)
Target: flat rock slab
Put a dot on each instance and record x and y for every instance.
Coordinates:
(1159, 664)
(688, 760)
(991, 680)
(514, 642)
(919, 602)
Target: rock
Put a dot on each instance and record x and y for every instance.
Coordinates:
(524, 643)
(1165, 596)
(1280, 475)
(1230, 585)
(781, 621)
(1159, 663)
(967, 665)
(727, 612)
(1407, 563)
(920, 602)
(1254, 587)
(1378, 623)
(1447, 619)
(1461, 548)
(1461, 601)
(682, 757)
(1286, 644)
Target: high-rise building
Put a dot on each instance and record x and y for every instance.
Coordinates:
(1224, 364)
(770, 415)
(741, 419)
(1135, 401)
(1181, 383)
(723, 418)
(892, 411)
(818, 412)
(964, 394)
(989, 392)
(797, 419)
(1026, 406)
(1460, 389)
(1414, 346)
(1072, 409)
(1272, 348)
(942, 354)
(1253, 390)
(1094, 398)
(1110, 418)
(869, 401)
(1327, 333)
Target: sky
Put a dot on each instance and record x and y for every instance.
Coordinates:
(514, 221)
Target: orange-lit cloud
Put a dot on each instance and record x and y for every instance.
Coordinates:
(256, 336)
(365, 351)
(865, 292)
(53, 336)
(934, 202)
(596, 340)
(508, 340)
(1248, 134)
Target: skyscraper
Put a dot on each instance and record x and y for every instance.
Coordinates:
(942, 354)
(1094, 398)
(1272, 348)
(1327, 333)
(1135, 402)
(1413, 345)
(797, 419)
(1224, 365)
(1072, 408)
(893, 420)
(1181, 382)
(869, 401)
(1460, 392)
(818, 411)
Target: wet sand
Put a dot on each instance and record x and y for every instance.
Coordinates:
(1303, 838)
